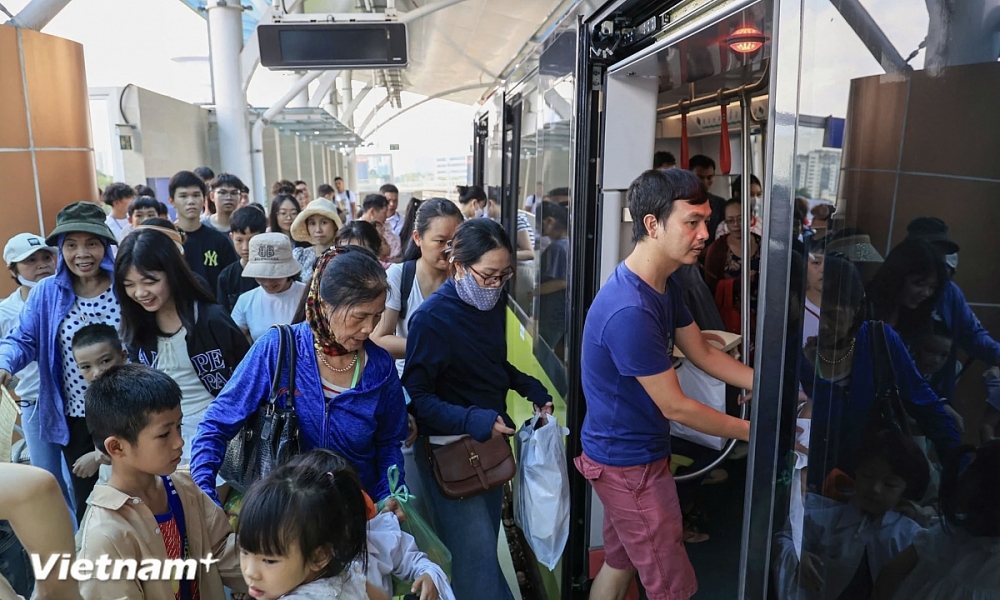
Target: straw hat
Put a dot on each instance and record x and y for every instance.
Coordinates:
(271, 257)
(319, 206)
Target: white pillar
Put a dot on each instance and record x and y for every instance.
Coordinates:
(225, 24)
(350, 171)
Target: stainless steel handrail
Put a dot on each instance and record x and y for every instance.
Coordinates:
(746, 206)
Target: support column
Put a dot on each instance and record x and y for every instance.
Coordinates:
(350, 171)
(225, 24)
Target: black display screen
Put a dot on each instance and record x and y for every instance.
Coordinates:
(343, 44)
(333, 45)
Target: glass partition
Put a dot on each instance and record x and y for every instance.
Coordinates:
(890, 364)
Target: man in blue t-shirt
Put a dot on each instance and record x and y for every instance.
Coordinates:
(633, 394)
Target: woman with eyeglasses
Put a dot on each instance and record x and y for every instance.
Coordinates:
(458, 376)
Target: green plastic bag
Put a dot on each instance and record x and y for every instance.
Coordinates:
(419, 528)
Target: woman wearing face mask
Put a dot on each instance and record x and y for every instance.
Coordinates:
(472, 201)
(458, 376)
(351, 400)
(317, 225)
(29, 261)
(171, 322)
(78, 294)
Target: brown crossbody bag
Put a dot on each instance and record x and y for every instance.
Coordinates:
(467, 468)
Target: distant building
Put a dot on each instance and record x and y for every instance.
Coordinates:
(819, 173)
(456, 170)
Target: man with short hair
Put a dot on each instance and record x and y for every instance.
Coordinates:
(225, 192)
(302, 193)
(393, 220)
(633, 393)
(704, 168)
(118, 196)
(663, 161)
(205, 173)
(346, 199)
(142, 208)
(375, 210)
(206, 249)
(535, 199)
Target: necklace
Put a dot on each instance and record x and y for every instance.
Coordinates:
(322, 357)
(849, 352)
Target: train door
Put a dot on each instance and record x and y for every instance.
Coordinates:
(698, 90)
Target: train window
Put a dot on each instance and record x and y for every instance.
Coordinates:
(896, 170)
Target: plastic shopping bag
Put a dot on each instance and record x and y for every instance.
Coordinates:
(541, 504)
(415, 525)
(699, 385)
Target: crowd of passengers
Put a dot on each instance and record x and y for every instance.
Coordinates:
(141, 346)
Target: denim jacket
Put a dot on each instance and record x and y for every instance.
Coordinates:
(36, 337)
(366, 425)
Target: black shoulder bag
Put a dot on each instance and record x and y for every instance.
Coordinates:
(887, 412)
(270, 436)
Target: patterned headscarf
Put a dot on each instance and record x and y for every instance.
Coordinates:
(323, 337)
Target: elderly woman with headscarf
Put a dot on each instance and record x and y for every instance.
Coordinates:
(348, 395)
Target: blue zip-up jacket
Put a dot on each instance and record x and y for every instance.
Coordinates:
(457, 372)
(967, 333)
(841, 412)
(366, 425)
(36, 337)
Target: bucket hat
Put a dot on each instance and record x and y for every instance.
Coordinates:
(23, 245)
(855, 248)
(319, 206)
(271, 257)
(933, 230)
(81, 217)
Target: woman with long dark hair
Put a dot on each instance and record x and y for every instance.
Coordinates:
(907, 287)
(351, 400)
(473, 201)
(284, 209)
(171, 322)
(458, 376)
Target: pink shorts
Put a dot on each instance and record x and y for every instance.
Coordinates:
(643, 526)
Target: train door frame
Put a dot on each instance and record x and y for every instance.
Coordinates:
(593, 184)
(480, 132)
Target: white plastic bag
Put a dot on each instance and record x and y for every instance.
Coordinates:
(541, 504)
(699, 385)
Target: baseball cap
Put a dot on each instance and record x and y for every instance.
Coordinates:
(23, 245)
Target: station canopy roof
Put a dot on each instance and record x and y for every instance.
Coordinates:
(472, 44)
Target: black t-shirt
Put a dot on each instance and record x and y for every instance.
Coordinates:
(208, 252)
(232, 285)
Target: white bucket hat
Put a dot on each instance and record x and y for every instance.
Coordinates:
(319, 206)
(271, 257)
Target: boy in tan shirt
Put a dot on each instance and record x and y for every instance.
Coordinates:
(149, 509)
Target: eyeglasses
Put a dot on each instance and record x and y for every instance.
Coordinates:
(227, 194)
(494, 280)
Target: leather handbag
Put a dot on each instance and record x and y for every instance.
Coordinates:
(270, 436)
(467, 468)
(888, 412)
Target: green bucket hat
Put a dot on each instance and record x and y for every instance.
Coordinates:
(81, 217)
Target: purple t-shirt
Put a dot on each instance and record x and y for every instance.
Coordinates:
(629, 333)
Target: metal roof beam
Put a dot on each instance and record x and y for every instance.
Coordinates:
(38, 13)
(464, 88)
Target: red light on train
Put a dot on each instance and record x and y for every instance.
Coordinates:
(746, 40)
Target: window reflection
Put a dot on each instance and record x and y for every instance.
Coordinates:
(898, 366)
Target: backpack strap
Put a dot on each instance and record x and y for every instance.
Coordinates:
(405, 286)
